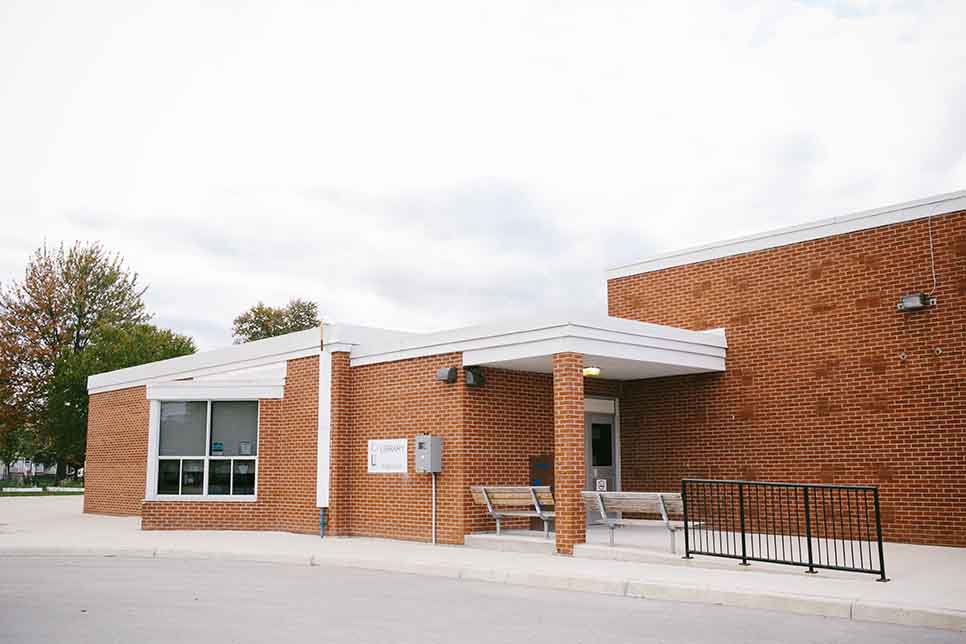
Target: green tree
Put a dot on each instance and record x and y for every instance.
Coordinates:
(52, 313)
(262, 321)
(109, 348)
(15, 443)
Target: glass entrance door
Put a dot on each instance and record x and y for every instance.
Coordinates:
(600, 455)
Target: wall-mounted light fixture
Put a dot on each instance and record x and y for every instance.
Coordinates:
(474, 376)
(915, 302)
(591, 372)
(447, 375)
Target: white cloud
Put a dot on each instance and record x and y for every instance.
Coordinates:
(426, 164)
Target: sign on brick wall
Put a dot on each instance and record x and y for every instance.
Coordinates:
(388, 456)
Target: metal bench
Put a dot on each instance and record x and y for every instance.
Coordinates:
(663, 503)
(503, 501)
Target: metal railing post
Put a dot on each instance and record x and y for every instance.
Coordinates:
(808, 532)
(878, 534)
(741, 520)
(687, 529)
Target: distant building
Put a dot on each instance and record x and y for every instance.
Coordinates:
(25, 467)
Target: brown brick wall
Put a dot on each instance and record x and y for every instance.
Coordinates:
(340, 457)
(489, 434)
(826, 381)
(399, 400)
(117, 448)
(287, 457)
(506, 421)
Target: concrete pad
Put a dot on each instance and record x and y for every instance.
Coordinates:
(512, 541)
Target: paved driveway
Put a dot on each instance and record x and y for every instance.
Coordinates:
(137, 600)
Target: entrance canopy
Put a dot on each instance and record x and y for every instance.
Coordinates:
(621, 349)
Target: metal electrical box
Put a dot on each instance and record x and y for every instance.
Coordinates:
(429, 454)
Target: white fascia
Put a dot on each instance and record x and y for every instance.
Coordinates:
(207, 363)
(217, 390)
(605, 336)
(927, 207)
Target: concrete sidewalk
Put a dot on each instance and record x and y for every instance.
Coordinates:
(928, 587)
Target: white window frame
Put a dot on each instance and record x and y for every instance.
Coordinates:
(156, 457)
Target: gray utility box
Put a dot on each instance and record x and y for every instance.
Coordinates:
(429, 454)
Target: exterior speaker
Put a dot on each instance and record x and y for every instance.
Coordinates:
(915, 302)
(474, 376)
(446, 374)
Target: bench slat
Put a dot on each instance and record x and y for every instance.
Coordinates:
(522, 513)
(506, 496)
(649, 502)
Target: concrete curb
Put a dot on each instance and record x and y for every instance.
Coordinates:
(818, 605)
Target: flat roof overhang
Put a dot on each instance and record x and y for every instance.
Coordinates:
(622, 349)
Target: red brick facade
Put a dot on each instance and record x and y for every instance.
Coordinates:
(287, 454)
(117, 451)
(507, 421)
(340, 423)
(826, 381)
(399, 400)
(489, 434)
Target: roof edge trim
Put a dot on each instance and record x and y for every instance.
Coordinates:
(942, 204)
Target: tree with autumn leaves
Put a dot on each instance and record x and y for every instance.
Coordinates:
(78, 310)
(262, 321)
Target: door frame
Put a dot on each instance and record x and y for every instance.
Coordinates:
(601, 409)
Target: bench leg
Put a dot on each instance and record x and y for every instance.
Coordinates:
(673, 542)
(546, 529)
(611, 534)
(498, 527)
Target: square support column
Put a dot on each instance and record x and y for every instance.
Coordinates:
(568, 453)
(339, 457)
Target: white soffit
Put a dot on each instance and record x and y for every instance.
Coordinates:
(614, 338)
(927, 207)
(237, 358)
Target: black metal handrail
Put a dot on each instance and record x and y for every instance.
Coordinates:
(814, 525)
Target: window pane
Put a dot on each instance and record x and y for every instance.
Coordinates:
(192, 477)
(168, 473)
(601, 445)
(234, 428)
(244, 475)
(183, 428)
(219, 477)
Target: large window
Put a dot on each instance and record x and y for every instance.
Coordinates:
(208, 448)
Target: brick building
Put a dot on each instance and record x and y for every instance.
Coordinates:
(781, 356)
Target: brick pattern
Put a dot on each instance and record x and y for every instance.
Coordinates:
(568, 430)
(340, 445)
(399, 400)
(287, 461)
(117, 450)
(489, 434)
(505, 422)
(826, 381)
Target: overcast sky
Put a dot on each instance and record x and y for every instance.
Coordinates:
(420, 165)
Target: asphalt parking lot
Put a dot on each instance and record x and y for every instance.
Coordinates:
(105, 599)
